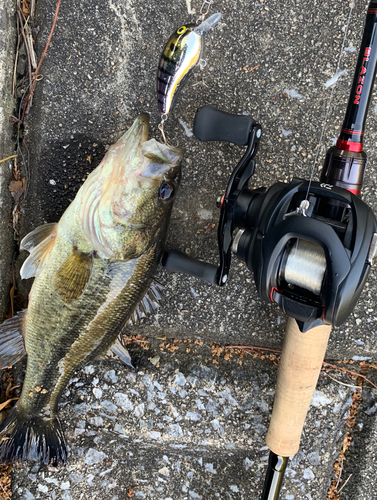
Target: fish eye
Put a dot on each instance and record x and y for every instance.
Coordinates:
(181, 30)
(166, 191)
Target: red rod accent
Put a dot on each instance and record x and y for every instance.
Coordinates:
(352, 131)
(355, 147)
(354, 191)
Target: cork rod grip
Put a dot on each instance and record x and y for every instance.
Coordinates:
(300, 365)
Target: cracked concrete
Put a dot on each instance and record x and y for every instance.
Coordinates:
(186, 429)
(7, 146)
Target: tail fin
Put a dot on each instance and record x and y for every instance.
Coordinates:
(31, 438)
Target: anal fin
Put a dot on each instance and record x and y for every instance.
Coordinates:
(148, 304)
(12, 346)
(119, 350)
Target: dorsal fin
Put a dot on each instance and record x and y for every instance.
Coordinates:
(39, 243)
(148, 304)
(35, 237)
(11, 340)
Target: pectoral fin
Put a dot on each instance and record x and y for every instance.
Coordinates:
(12, 346)
(73, 276)
(39, 243)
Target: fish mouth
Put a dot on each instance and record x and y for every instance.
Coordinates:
(130, 144)
(139, 129)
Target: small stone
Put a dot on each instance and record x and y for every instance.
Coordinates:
(97, 421)
(109, 406)
(260, 428)
(174, 430)
(248, 463)
(94, 457)
(164, 471)
(180, 380)
(314, 458)
(81, 409)
(76, 478)
(194, 495)
(155, 435)
(202, 393)
(319, 399)
(65, 486)
(158, 386)
(52, 480)
(194, 416)
(212, 407)
(89, 370)
(110, 376)
(139, 410)
(97, 392)
(296, 459)
(209, 468)
(234, 488)
(119, 430)
(42, 488)
(227, 395)
(199, 404)
(123, 401)
(28, 495)
(78, 432)
(215, 424)
(308, 474)
(147, 382)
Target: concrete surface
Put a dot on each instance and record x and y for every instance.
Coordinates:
(7, 147)
(98, 74)
(190, 428)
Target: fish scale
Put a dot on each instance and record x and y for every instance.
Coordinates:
(100, 329)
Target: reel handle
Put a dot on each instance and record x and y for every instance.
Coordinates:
(178, 262)
(211, 124)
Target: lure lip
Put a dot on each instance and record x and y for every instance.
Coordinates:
(207, 24)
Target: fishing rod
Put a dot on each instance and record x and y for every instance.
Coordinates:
(309, 244)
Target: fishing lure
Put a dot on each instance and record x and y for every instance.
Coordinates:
(181, 54)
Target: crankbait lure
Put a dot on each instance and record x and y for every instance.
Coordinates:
(181, 54)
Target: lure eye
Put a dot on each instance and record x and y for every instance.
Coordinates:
(166, 191)
(181, 30)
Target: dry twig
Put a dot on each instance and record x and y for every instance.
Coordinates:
(41, 60)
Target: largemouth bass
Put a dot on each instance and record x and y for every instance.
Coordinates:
(93, 273)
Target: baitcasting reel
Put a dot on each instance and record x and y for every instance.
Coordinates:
(309, 244)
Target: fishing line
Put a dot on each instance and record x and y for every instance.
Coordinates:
(352, 5)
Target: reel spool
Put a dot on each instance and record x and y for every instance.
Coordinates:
(303, 265)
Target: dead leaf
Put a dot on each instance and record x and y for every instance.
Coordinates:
(3, 405)
(16, 186)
